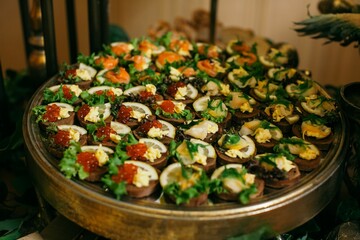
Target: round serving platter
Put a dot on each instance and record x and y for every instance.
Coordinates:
(93, 208)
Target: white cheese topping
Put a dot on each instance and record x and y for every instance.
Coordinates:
(224, 89)
(283, 164)
(246, 107)
(141, 178)
(155, 132)
(83, 74)
(309, 154)
(93, 115)
(101, 156)
(262, 135)
(202, 129)
(179, 107)
(116, 91)
(313, 130)
(74, 135)
(280, 111)
(137, 115)
(115, 138)
(152, 153)
(181, 93)
(64, 113)
(75, 89)
(174, 74)
(150, 88)
(236, 153)
(200, 158)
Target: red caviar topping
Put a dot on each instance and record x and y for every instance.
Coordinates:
(62, 138)
(99, 92)
(173, 88)
(144, 128)
(104, 133)
(70, 73)
(124, 114)
(126, 173)
(144, 95)
(88, 161)
(136, 151)
(52, 113)
(168, 106)
(83, 111)
(67, 92)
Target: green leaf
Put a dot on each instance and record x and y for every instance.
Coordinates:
(11, 228)
(119, 189)
(165, 39)
(58, 96)
(230, 140)
(244, 196)
(267, 125)
(315, 119)
(172, 148)
(81, 172)
(184, 196)
(68, 163)
(39, 111)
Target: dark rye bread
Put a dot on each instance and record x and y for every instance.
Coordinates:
(165, 139)
(141, 192)
(64, 121)
(109, 144)
(308, 165)
(95, 176)
(242, 117)
(83, 123)
(158, 163)
(83, 85)
(323, 144)
(225, 159)
(283, 125)
(58, 151)
(212, 137)
(264, 147)
(290, 178)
